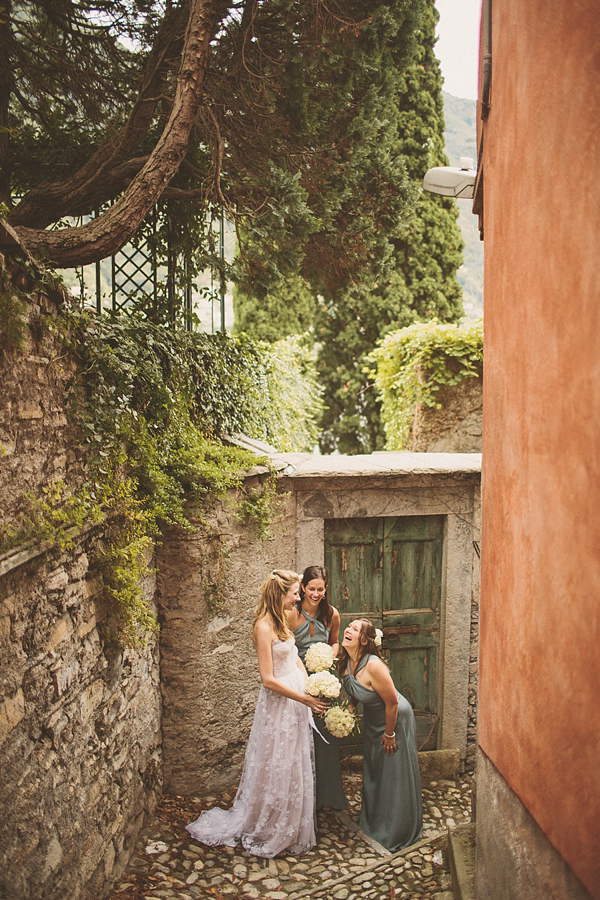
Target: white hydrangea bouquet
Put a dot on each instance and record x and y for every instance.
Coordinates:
(319, 659)
(340, 721)
(323, 684)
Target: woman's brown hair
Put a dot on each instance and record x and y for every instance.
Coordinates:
(366, 639)
(271, 600)
(325, 610)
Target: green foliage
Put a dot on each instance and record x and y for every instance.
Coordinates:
(288, 309)
(57, 516)
(152, 404)
(415, 362)
(287, 134)
(420, 279)
(258, 505)
(12, 319)
(177, 389)
(296, 394)
(397, 134)
(13, 324)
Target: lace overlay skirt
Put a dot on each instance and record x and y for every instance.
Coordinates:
(274, 807)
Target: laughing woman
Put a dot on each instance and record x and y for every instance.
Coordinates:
(392, 809)
(313, 620)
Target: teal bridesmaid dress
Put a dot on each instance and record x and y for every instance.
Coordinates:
(392, 808)
(330, 790)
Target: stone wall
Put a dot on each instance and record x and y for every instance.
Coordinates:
(209, 670)
(37, 443)
(79, 721)
(515, 859)
(471, 758)
(79, 731)
(454, 428)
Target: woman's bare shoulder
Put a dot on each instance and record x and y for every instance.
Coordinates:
(263, 629)
(293, 618)
(376, 666)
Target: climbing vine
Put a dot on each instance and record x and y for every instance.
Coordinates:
(12, 315)
(414, 363)
(152, 405)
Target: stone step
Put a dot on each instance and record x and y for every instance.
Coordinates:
(461, 860)
(433, 764)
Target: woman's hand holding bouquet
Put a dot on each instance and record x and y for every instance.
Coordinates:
(339, 720)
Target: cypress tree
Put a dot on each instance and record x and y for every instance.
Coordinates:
(411, 277)
(420, 279)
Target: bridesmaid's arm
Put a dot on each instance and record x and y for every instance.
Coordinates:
(263, 638)
(381, 681)
(334, 634)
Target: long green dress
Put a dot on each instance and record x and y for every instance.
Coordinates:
(392, 808)
(330, 790)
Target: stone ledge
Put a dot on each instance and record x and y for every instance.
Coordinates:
(433, 764)
(461, 860)
(21, 555)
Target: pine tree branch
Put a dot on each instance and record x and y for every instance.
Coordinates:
(111, 230)
(46, 203)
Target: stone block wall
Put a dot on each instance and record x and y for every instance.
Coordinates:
(79, 720)
(79, 731)
(209, 669)
(38, 445)
(457, 426)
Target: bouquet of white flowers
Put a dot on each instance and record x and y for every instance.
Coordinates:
(340, 721)
(319, 657)
(323, 684)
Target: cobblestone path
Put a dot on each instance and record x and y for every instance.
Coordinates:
(345, 864)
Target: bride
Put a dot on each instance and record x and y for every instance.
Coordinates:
(274, 807)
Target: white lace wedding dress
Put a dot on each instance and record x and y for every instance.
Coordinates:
(274, 808)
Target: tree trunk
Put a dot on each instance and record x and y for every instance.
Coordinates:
(95, 183)
(110, 231)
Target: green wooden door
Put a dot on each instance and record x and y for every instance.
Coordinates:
(389, 570)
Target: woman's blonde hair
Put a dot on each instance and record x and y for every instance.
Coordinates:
(271, 600)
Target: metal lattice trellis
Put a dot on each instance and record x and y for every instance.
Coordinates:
(135, 272)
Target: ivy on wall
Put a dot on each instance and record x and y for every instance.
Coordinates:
(414, 363)
(152, 405)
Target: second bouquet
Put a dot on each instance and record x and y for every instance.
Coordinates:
(339, 720)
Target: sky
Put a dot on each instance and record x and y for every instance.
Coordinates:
(457, 47)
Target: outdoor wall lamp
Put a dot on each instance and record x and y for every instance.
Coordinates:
(452, 181)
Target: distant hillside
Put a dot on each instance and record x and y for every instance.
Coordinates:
(460, 136)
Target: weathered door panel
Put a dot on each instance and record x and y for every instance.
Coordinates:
(412, 578)
(389, 570)
(353, 556)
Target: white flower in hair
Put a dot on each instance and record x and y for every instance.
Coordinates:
(378, 637)
(319, 657)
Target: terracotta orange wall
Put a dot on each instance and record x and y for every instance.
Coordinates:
(539, 700)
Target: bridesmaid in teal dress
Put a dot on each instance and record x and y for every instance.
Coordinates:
(312, 621)
(392, 808)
